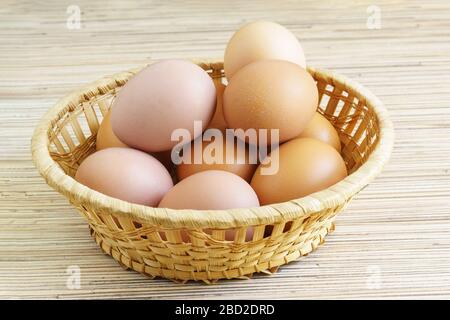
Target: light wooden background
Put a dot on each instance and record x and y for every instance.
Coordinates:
(392, 242)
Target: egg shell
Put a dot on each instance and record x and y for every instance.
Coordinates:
(261, 40)
(106, 137)
(271, 94)
(165, 96)
(305, 166)
(234, 159)
(321, 129)
(126, 174)
(210, 190)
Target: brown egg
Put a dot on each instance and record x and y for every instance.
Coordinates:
(218, 121)
(271, 94)
(219, 155)
(165, 96)
(210, 190)
(261, 40)
(106, 137)
(305, 166)
(126, 174)
(321, 129)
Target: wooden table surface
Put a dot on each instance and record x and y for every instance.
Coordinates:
(393, 241)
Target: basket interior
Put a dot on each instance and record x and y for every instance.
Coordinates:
(72, 137)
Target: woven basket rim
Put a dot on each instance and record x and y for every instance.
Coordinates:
(334, 196)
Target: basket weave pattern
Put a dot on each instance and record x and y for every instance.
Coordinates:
(149, 240)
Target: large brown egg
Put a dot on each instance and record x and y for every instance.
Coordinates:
(305, 166)
(210, 190)
(261, 40)
(321, 129)
(165, 96)
(271, 94)
(126, 174)
(225, 154)
(106, 137)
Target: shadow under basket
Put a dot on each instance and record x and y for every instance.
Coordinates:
(150, 240)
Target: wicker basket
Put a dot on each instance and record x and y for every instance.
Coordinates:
(149, 240)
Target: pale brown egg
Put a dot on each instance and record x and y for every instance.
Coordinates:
(321, 129)
(271, 94)
(261, 40)
(223, 154)
(210, 190)
(165, 96)
(126, 174)
(218, 121)
(106, 137)
(305, 166)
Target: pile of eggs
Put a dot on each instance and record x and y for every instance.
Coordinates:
(267, 88)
